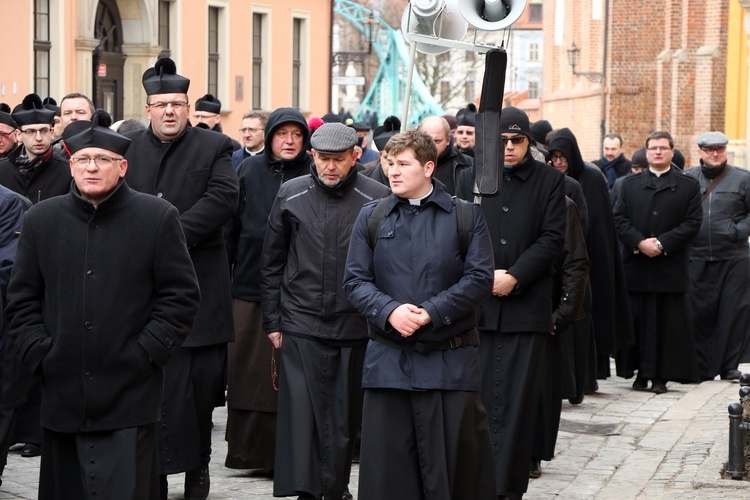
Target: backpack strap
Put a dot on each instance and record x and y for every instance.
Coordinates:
(465, 215)
(376, 219)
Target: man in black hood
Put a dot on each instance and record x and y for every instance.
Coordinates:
(251, 397)
(610, 309)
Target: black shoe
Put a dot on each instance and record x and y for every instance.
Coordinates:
(535, 469)
(659, 387)
(731, 375)
(197, 484)
(578, 399)
(31, 450)
(640, 384)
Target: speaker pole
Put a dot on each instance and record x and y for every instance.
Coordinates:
(407, 96)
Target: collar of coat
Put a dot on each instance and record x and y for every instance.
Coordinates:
(668, 180)
(87, 211)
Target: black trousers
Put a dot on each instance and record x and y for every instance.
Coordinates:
(116, 465)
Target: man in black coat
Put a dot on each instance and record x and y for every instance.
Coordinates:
(657, 213)
(251, 393)
(8, 136)
(192, 169)
(613, 162)
(527, 226)
(102, 293)
(34, 169)
(610, 313)
(306, 311)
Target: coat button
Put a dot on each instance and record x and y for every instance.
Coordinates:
(159, 195)
(88, 325)
(169, 341)
(505, 209)
(447, 320)
(374, 313)
(503, 241)
(89, 423)
(654, 212)
(89, 375)
(90, 273)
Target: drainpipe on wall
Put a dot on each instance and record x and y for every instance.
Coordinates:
(604, 78)
(330, 60)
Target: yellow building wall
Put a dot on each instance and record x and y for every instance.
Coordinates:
(737, 74)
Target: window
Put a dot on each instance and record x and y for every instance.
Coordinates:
(296, 61)
(42, 46)
(445, 91)
(164, 28)
(533, 52)
(213, 50)
(257, 61)
(533, 89)
(469, 91)
(535, 12)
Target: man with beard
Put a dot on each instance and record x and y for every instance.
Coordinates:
(251, 393)
(719, 261)
(8, 136)
(610, 312)
(192, 169)
(527, 225)
(307, 315)
(657, 213)
(450, 163)
(34, 170)
(613, 163)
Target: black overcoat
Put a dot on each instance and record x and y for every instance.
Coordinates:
(94, 294)
(671, 211)
(195, 173)
(50, 178)
(527, 225)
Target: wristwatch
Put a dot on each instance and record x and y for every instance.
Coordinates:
(659, 245)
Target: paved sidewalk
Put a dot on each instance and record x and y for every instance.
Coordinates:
(671, 446)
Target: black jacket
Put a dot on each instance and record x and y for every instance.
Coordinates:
(304, 254)
(260, 178)
(96, 292)
(50, 178)
(449, 166)
(195, 174)
(669, 209)
(527, 226)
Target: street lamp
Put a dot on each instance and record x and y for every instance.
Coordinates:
(372, 27)
(573, 54)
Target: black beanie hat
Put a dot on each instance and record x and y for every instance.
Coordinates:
(163, 79)
(540, 129)
(209, 104)
(515, 120)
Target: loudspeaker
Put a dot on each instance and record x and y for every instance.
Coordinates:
(438, 18)
(491, 15)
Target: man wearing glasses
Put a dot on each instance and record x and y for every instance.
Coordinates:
(191, 168)
(719, 265)
(657, 214)
(253, 135)
(208, 115)
(33, 169)
(527, 226)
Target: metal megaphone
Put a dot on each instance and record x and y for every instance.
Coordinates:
(438, 18)
(491, 15)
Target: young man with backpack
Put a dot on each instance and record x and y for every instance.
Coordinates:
(424, 430)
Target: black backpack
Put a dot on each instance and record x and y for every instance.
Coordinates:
(464, 213)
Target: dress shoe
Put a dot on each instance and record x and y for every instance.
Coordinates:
(197, 484)
(731, 375)
(659, 387)
(31, 450)
(578, 399)
(535, 469)
(640, 384)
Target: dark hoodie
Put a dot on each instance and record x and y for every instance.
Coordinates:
(611, 310)
(260, 178)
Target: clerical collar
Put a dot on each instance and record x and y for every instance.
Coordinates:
(659, 174)
(421, 201)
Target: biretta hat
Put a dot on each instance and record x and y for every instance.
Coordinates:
(360, 126)
(163, 79)
(331, 118)
(94, 134)
(51, 104)
(31, 111)
(209, 104)
(712, 139)
(5, 116)
(467, 116)
(333, 138)
(390, 127)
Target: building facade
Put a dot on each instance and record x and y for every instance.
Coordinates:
(253, 55)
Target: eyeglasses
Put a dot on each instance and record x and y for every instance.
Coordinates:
(163, 104)
(31, 132)
(100, 161)
(283, 134)
(516, 139)
(250, 129)
(658, 148)
(6, 134)
(713, 149)
(558, 157)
